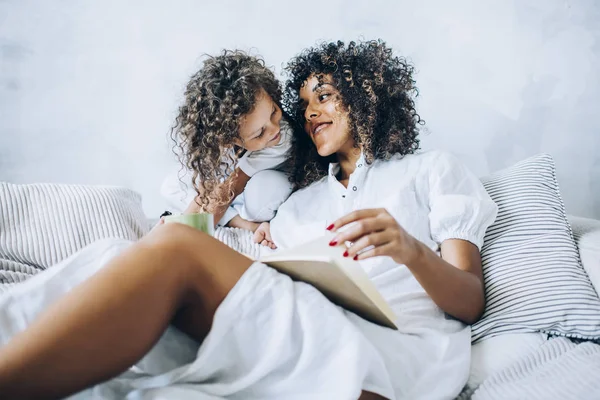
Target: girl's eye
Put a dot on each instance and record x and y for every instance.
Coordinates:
(323, 96)
(262, 133)
(274, 110)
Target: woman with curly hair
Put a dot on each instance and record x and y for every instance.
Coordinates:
(232, 138)
(414, 222)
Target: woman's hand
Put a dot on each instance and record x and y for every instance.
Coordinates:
(375, 233)
(262, 235)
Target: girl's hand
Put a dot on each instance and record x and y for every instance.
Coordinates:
(375, 233)
(262, 235)
(161, 221)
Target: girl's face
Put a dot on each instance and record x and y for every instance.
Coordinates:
(325, 122)
(260, 128)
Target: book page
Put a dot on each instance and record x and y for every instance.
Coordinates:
(340, 279)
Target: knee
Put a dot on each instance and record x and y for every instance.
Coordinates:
(174, 241)
(264, 193)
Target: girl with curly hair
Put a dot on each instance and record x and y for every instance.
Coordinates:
(232, 138)
(413, 222)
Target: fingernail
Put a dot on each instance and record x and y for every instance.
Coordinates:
(333, 243)
(355, 258)
(330, 227)
(346, 253)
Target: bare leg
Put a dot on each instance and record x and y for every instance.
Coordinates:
(109, 322)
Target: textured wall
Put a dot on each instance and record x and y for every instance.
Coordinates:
(89, 89)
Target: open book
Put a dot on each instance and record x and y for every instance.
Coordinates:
(339, 278)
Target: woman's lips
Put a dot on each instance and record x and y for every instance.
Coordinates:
(320, 128)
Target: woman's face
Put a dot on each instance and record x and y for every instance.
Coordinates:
(325, 122)
(260, 128)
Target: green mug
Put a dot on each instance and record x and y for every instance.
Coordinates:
(201, 221)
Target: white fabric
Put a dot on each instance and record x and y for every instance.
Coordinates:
(434, 197)
(241, 240)
(495, 354)
(269, 338)
(20, 305)
(559, 369)
(263, 188)
(587, 235)
(42, 224)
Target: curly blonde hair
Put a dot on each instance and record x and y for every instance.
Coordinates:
(217, 97)
(376, 89)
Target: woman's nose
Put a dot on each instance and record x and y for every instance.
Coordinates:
(311, 113)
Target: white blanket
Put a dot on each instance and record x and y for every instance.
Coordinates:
(272, 338)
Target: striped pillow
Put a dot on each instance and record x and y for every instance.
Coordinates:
(41, 224)
(534, 279)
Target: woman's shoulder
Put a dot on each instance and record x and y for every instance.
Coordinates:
(426, 156)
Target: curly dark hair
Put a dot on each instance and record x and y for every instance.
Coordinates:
(216, 98)
(376, 89)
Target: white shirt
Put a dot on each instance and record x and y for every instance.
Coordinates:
(434, 198)
(253, 161)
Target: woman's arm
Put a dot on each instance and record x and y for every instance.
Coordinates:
(239, 179)
(454, 281)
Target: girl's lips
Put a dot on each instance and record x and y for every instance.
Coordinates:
(276, 137)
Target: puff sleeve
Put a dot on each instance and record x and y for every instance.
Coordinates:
(460, 207)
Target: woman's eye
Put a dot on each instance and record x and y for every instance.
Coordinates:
(262, 133)
(323, 96)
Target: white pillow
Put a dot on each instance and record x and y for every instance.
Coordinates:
(587, 235)
(533, 276)
(42, 224)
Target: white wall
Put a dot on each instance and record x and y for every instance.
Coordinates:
(89, 89)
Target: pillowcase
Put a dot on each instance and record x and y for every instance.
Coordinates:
(42, 224)
(534, 279)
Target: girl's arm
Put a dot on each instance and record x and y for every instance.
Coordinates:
(239, 222)
(240, 179)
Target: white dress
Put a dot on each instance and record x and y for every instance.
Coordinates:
(434, 198)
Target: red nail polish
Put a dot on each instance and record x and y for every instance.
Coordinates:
(330, 227)
(346, 253)
(332, 243)
(356, 257)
